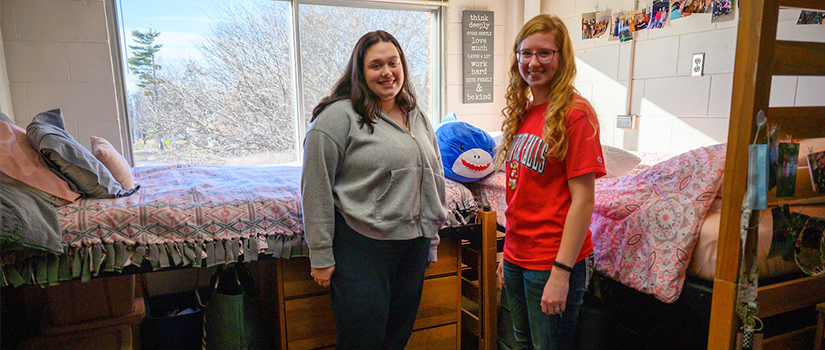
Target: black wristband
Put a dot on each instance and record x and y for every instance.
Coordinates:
(563, 266)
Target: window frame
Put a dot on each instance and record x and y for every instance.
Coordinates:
(438, 49)
(438, 69)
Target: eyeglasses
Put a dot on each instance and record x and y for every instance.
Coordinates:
(544, 55)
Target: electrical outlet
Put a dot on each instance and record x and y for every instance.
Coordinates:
(626, 122)
(697, 65)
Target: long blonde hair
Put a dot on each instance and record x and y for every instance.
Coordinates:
(562, 91)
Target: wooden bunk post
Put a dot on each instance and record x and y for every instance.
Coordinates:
(488, 280)
(479, 317)
(751, 89)
(759, 56)
(279, 282)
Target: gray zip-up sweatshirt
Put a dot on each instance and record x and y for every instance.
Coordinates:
(388, 184)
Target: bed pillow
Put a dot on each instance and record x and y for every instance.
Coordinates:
(617, 161)
(114, 161)
(20, 165)
(69, 159)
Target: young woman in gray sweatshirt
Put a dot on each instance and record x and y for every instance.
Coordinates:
(373, 197)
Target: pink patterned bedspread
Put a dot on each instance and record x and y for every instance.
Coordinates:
(184, 215)
(646, 223)
(183, 203)
(186, 203)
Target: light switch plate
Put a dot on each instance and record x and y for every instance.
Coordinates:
(697, 65)
(626, 122)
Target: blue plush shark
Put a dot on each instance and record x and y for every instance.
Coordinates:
(467, 152)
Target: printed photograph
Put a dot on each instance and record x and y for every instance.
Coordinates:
(788, 161)
(602, 23)
(811, 17)
(588, 25)
(625, 33)
(783, 238)
(676, 7)
(816, 167)
(807, 246)
(722, 11)
(640, 19)
(659, 14)
(773, 158)
(697, 6)
(615, 25)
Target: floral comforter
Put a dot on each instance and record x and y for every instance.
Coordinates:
(645, 225)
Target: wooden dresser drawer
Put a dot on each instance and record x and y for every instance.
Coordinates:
(448, 262)
(307, 314)
(310, 325)
(436, 338)
(298, 282)
(440, 302)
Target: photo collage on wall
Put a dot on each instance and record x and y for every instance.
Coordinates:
(620, 24)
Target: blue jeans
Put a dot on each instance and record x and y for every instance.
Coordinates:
(532, 328)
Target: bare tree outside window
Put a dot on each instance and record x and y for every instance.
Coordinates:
(328, 34)
(235, 105)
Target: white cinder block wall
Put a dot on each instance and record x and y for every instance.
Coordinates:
(5, 96)
(677, 112)
(508, 17)
(57, 56)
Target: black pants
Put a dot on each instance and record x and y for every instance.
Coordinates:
(376, 288)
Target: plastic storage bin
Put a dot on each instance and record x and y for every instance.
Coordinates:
(174, 321)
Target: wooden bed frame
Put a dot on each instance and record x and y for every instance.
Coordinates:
(759, 56)
(479, 309)
(300, 309)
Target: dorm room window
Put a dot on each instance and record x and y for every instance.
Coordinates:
(218, 84)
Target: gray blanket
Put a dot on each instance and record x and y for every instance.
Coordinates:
(29, 223)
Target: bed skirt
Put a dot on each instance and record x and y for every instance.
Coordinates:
(90, 261)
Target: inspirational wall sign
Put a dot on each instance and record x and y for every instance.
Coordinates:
(478, 56)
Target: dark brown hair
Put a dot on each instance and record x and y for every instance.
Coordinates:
(353, 86)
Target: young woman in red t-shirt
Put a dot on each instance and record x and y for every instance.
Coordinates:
(552, 155)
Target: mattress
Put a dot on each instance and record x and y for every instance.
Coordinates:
(703, 262)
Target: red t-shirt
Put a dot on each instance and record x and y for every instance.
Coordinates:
(538, 197)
